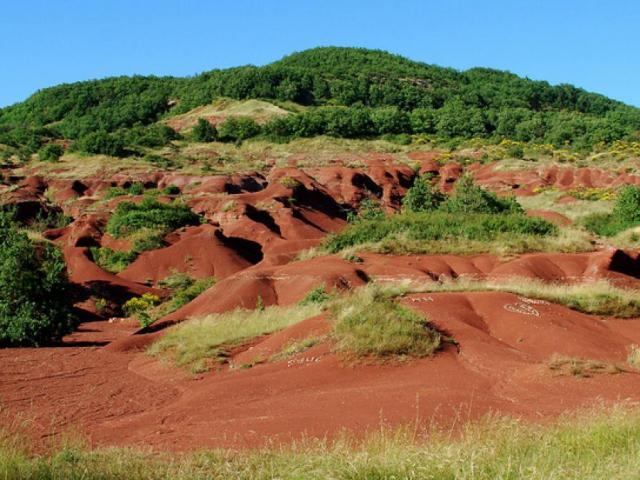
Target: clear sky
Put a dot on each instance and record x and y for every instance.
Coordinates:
(594, 44)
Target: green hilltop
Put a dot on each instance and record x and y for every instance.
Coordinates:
(346, 92)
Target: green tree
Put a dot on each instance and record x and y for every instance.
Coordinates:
(204, 131)
(238, 129)
(627, 208)
(51, 152)
(35, 293)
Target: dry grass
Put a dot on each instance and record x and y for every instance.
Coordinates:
(634, 356)
(581, 367)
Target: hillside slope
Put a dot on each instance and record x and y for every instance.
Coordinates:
(385, 93)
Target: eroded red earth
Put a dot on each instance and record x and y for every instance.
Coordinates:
(100, 382)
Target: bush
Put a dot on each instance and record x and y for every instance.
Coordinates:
(204, 131)
(625, 215)
(238, 129)
(101, 142)
(627, 206)
(317, 295)
(470, 198)
(51, 152)
(422, 197)
(369, 210)
(171, 190)
(35, 293)
(139, 306)
(130, 217)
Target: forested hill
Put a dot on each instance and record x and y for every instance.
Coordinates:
(350, 92)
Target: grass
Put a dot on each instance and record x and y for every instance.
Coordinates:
(547, 200)
(404, 233)
(591, 445)
(634, 356)
(596, 298)
(200, 344)
(581, 367)
(369, 323)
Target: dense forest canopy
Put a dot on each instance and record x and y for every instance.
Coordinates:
(351, 92)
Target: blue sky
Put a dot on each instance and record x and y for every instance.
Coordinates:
(591, 43)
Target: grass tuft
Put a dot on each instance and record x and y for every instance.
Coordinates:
(369, 323)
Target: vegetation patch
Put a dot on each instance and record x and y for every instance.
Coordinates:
(130, 217)
(596, 298)
(591, 445)
(200, 344)
(437, 227)
(35, 293)
(369, 324)
(581, 367)
(625, 215)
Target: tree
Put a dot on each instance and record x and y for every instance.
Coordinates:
(238, 129)
(35, 293)
(204, 131)
(51, 152)
(627, 208)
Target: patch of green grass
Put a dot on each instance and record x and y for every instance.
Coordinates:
(114, 261)
(317, 295)
(442, 232)
(596, 298)
(369, 323)
(199, 344)
(606, 224)
(592, 445)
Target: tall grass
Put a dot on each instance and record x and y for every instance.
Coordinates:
(369, 323)
(592, 445)
(597, 298)
(439, 226)
(201, 343)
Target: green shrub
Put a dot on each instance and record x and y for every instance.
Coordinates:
(113, 192)
(130, 217)
(318, 295)
(136, 188)
(238, 129)
(51, 152)
(471, 198)
(368, 210)
(422, 197)
(139, 306)
(625, 215)
(101, 142)
(171, 190)
(204, 131)
(627, 207)
(370, 323)
(438, 226)
(35, 293)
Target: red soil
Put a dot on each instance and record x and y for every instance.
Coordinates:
(101, 384)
